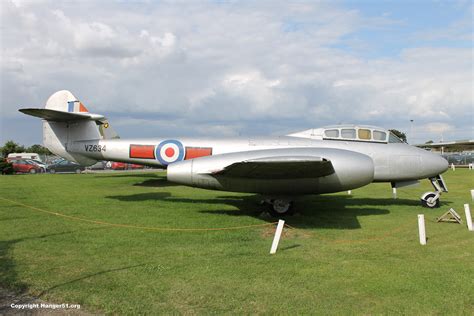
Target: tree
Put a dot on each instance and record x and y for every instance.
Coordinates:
(12, 147)
(6, 167)
(429, 142)
(399, 134)
(38, 149)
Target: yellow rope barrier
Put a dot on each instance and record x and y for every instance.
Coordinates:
(133, 226)
(337, 241)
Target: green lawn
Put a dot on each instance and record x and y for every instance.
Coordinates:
(355, 254)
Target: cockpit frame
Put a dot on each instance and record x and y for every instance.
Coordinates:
(360, 133)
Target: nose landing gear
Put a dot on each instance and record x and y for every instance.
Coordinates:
(431, 199)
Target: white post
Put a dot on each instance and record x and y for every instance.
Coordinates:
(421, 229)
(468, 217)
(349, 192)
(472, 195)
(394, 193)
(453, 167)
(276, 239)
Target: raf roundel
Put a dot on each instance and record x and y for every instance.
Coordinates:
(169, 151)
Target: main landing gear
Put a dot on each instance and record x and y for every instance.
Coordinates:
(431, 199)
(279, 207)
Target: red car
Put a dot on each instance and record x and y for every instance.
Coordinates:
(135, 166)
(24, 166)
(118, 166)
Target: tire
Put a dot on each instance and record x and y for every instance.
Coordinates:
(279, 208)
(32, 171)
(427, 202)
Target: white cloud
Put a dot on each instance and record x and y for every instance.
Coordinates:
(437, 127)
(240, 67)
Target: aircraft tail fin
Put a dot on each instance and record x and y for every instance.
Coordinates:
(67, 120)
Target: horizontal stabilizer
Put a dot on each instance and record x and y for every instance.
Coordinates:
(283, 167)
(61, 116)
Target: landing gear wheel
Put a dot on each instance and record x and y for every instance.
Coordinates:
(430, 200)
(280, 208)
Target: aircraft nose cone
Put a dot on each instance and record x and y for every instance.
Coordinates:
(435, 164)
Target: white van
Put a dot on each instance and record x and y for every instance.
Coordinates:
(32, 156)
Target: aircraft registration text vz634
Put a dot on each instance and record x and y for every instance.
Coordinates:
(95, 148)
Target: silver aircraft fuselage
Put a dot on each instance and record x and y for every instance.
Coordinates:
(356, 163)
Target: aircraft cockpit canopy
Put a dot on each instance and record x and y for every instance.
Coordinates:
(359, 133)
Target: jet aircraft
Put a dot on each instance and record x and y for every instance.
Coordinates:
(313, 161)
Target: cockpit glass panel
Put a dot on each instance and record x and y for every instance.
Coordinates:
(331, 133)
(364, 134)
(378, 135)
(394, 139)
(348, 133)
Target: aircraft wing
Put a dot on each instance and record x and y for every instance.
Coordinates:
(60, 116)
(282, 167)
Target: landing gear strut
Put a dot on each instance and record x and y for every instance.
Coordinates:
(431, 199)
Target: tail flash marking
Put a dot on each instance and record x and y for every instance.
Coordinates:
(70, 106)
(76, 106)
(82, 108)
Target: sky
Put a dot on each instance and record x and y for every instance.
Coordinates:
(241, 68)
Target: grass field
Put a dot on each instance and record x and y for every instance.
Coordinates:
(355, 254)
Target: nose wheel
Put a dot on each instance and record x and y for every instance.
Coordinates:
(430, 199)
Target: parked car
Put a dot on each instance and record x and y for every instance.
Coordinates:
(118, 165)
(25, 166)
(65, 166)
(100, 165)
(40, 164)
(135, 166)
(43, 166)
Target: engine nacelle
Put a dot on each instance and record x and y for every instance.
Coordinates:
(352, 170)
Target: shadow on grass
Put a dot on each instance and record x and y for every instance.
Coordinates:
(157, 182)
(88, 276)
(290, 247)
(333, 211)
(11, 219)
(130, 174)
(314, 211)
(8, 274)
(142, 197)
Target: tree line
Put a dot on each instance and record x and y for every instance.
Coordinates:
(12, 147)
